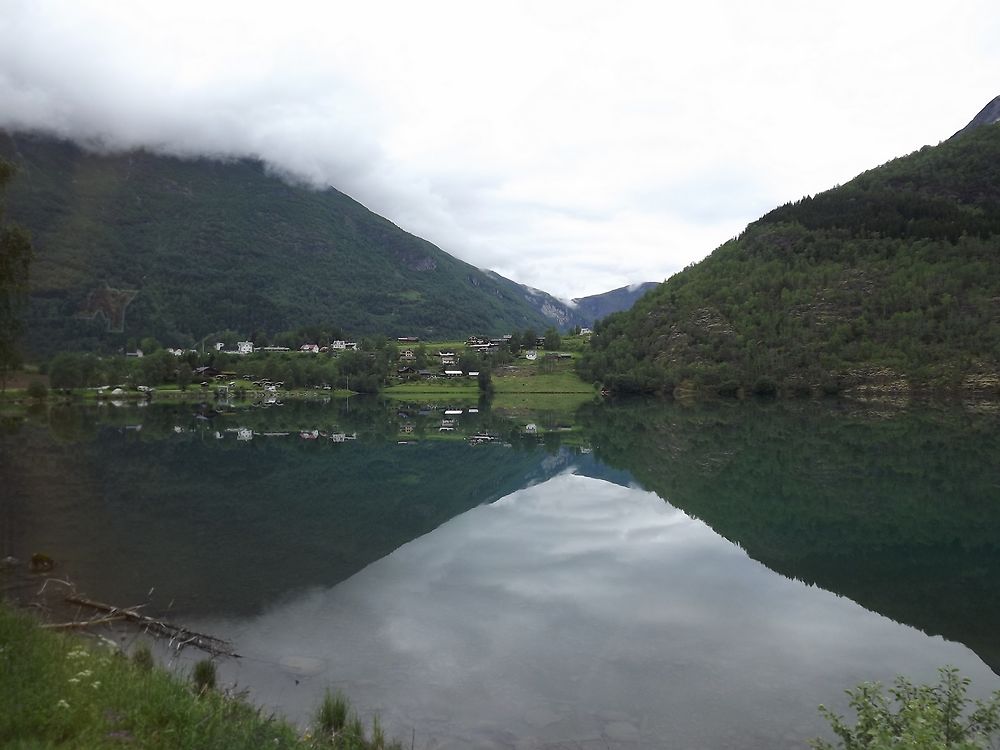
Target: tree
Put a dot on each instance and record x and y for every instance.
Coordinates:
(421, 357)
(37, 390)
(485, 380)
(148, 345)
(553, 341)
(916, 716)
(15, 261)
(68, 370)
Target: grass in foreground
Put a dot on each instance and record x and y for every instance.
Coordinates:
(59, 691)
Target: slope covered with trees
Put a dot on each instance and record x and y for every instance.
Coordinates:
(135, 244)
(892, 280)
(15, 261)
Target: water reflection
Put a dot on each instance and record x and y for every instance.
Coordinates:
(226, 513)
(570, 611)
(579, 613)
(899, 509)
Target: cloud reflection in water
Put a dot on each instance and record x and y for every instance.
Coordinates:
(583, 614)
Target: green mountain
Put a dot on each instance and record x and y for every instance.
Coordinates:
(891, 281)
(136, 244)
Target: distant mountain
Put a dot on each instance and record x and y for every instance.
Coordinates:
(598, 306)
(891, 281)
(557, 312)
(138, 244)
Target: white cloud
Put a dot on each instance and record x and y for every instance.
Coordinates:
(573, 146)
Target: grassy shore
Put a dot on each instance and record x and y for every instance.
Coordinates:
(522, 387)
(61, 691)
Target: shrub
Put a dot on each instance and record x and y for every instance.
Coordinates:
(830, 387)
(331, 716)
(142, 657)
(204, 675)
(915, 716)
(37, 390)
(765, 387)
(729, 389)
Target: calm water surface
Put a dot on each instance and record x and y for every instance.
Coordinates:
(644, 575)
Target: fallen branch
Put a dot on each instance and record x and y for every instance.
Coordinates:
(183, 636)
(83, 623)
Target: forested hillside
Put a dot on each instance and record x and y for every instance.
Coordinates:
(890, 281)
(136, 244)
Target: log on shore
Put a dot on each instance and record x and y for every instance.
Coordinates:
(175, 633)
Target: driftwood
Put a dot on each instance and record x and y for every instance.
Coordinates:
(176, 633)
(82, 623)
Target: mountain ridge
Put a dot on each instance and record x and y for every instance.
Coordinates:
(198, 245)
(989, 115)
(594, 307)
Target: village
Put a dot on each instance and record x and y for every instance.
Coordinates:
(404, 360)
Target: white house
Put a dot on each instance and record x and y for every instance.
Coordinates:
(585, 331)
(310, 348)
(244, 347)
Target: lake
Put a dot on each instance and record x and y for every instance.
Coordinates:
(641, 574)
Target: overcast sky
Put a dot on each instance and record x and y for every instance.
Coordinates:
(573, 146)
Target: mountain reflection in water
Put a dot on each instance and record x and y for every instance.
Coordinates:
(581, 613)
(473, 592)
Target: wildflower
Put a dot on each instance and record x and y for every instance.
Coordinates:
(77, 653)
(96, 684)
(62, 704)
(84, 673)
(74, 680)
